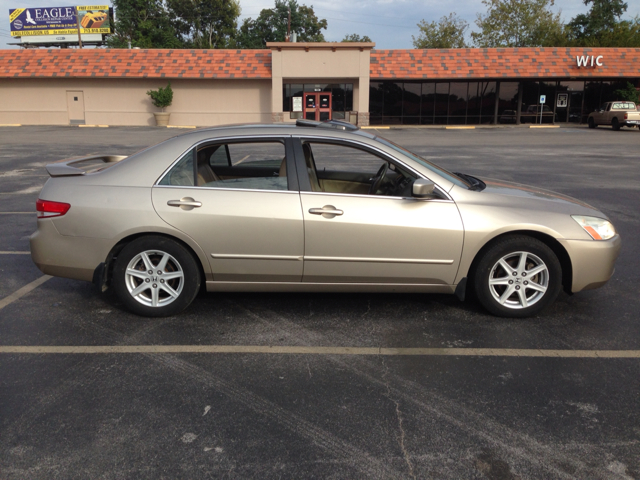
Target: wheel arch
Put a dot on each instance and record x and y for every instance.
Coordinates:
(104, 278)
(548, 240)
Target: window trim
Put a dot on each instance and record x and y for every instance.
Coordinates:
(286, 140)
(306, 184)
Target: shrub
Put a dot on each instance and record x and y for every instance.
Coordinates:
(162, 97)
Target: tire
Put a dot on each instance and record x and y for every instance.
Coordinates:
(592, 123)
(491, 277)
(615, 124)
(170, 289)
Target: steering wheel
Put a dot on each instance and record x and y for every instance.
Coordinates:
(376, 181)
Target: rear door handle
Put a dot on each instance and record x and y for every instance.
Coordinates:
(186, 203)
(328, 211)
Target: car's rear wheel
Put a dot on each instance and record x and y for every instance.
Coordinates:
(155, 276)
(592, 123)
(518, 277)
(615, 124)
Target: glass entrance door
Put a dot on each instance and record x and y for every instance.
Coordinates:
(569, 107)
(317, 106)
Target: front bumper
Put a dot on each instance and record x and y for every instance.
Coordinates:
(592, 261)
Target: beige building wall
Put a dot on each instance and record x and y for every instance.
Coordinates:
(114, 101)
(342, 62)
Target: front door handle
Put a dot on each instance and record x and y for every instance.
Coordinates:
(328, 211)
(185, 203)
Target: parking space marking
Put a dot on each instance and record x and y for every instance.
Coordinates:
(23, 291)
(302, 350)
(8, 252)
(17, 213)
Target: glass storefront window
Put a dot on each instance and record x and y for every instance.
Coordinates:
(392, 99)
(341, 97)
(441, 103)
(488, 111)
(348, 97)
(411, 104)
(427, 103)
(508, 102)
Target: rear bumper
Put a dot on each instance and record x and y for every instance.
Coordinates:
(65, 256)
(593, 262)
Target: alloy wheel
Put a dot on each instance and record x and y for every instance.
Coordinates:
(154, 278)
(519, 280)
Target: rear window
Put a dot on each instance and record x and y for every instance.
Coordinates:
(625, 105)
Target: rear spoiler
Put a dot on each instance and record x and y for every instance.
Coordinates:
(82, 165)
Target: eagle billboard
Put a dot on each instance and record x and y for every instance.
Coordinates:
(59, 20)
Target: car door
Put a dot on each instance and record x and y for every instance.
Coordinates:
(238, 199)
(371, 237)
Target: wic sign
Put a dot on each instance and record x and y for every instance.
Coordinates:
(589, 61)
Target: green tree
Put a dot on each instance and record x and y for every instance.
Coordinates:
(144, 23)
(354, 37)
(448, 32)
(271, 25)
(602, 26)
(519, 23)
(629, 93)
(205, 23)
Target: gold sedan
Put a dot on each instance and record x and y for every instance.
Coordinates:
(310, 207)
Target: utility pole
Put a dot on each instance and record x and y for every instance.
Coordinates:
(289, 27)
(78, 24)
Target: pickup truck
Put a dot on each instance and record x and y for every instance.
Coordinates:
(617, 114)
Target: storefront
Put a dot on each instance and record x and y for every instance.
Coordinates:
(496, 86)
(495, 102)
(319, 81)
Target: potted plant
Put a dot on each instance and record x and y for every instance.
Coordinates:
(161, 98)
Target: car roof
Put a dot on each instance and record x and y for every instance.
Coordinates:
(308, 128)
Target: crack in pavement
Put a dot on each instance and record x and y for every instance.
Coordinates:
(402, 437)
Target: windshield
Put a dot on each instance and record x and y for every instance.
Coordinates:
(431, 166)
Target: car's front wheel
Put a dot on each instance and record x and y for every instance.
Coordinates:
(592, 123)
(155, 276)
(517, 277)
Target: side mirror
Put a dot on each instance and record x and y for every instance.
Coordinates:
(422, 188)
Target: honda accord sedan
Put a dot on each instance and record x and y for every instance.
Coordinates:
(313, 207)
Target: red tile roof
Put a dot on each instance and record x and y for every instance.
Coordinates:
(135, 63)
(496, 63)
(490, 63)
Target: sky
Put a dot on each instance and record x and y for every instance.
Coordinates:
(389, 23)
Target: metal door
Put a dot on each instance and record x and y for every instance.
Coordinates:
(75, 107)
(317, 106)
(377, 239)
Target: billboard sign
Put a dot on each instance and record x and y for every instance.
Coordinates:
(93, 19)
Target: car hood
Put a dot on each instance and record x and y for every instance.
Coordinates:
(527, 194)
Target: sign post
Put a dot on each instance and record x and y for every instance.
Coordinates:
(543, 99)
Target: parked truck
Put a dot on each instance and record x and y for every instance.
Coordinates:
(617, 114)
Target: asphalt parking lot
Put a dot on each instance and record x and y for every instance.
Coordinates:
(317, 385)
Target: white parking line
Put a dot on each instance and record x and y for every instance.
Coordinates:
(280, 350)
(14, 253)
(17, 213)
(23, 291)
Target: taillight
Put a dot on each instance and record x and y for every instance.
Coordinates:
(47, 208)
(626, 116)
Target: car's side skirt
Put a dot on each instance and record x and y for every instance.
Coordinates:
(327, 287)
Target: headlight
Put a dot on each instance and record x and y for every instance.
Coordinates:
(598, 228)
